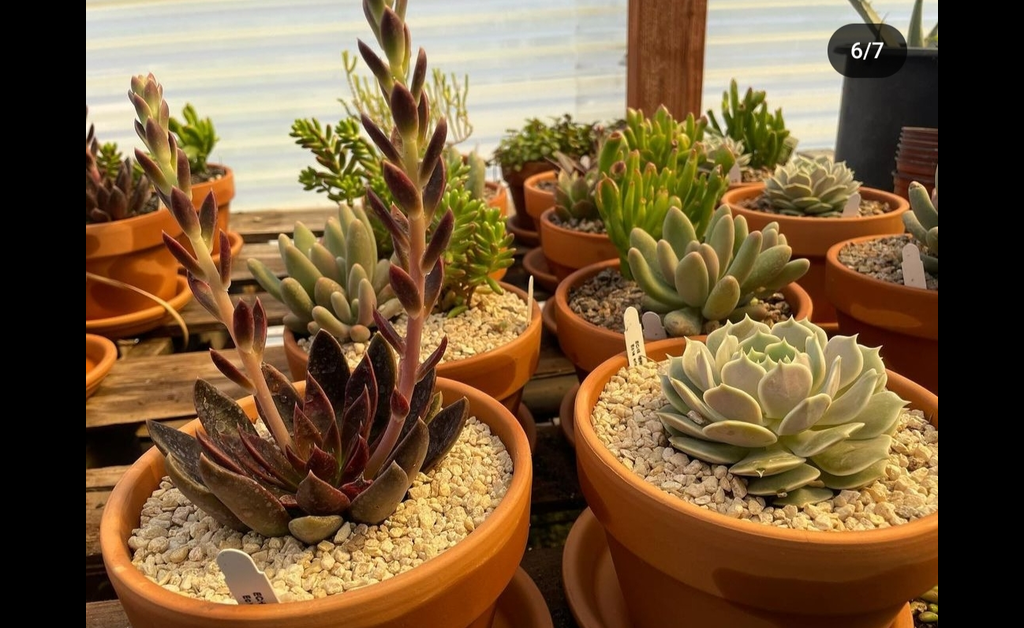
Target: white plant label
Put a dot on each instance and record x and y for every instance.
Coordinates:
(247, 584)
(653, 329)
(735, 174)
(913, 267)
(634, 333)
(529, 300)
(852, 209)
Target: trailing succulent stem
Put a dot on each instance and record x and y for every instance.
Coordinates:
(763, 134)
(800, 414)
(922, 222)
(698, 283)
(349, 445)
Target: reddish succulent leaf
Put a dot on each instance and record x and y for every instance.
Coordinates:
(434, 190)
(183, 255)
(403, 190)
(379, 500)
(419, 74)
(184, 213)
(362, 376)
(412, 449)
(423, 118)
(327, 365)
(253, 504)
(197, 493)
(375, 63)
(317, 407)
(286, 398)
(229, 370)
(355, 461)
(432, 285)
(403, 110)
(323, 465)
(332, 442)
(259, 317)
(381, 140)
(432, 154)
(202, 292)
(174, 442)
(354, 487)
(433, 359)
(244, 326)
(219, 455)
(222, 419)
(356, 420)
(270, 457)
(399, 233)
(445, 428)
(305, 435)
(316, 497)
(385, 374)
(387, 330)
(208, 221)
(438, 241)
(225, 259)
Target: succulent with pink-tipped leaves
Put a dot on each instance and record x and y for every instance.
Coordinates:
(352, 443)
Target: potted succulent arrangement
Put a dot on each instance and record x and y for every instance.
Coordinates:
(197, 137)
(131, 278)
(345, 447)
(758, 137)
(339, 281)
(529, 150)
(762, 476)
(866, 282)
(818, 202)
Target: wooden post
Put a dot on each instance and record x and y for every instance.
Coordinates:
(665, 55)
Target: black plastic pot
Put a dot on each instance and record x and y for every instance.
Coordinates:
(872, 111)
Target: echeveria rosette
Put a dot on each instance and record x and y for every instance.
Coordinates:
(800, 414)
(310, 487)
(809, 186)
(697, 283)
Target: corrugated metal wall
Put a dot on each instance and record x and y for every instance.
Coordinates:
(254, 66)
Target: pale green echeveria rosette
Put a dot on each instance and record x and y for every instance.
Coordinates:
(799, 414)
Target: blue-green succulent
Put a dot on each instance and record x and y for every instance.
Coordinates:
(697, 283)
(811, 186)
(799, 414)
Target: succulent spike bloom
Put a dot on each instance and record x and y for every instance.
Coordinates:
(351, 444)
(800, 414)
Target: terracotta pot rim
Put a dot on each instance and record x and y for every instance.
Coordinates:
(532, 180)
(103, 352)
(733, 196)
(850, 275)
(130, 234)
(547, 223)
(586, 436)
(139, 319)
(473, 548)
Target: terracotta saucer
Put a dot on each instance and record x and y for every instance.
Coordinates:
(566, 416)
(591, 586)
(521, 605)
(100, 355)
(536, 264)
(136, 323)
(236, 241)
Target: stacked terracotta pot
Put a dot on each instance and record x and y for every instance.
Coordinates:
(917, 157)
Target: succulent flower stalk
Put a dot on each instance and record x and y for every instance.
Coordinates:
(352, 443)
(799, 414)
(697, 283)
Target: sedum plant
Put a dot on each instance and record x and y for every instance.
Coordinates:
(811, 186)
(538, 140)
(336, 283)
(114, 190)
(648, 168)
(697, 283)
(197, 137)
(799, 414)
(763, 134)
(349, 446)
(922, 222)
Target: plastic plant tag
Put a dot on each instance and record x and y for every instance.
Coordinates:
(529, 300)
(913, 268)
(852, 209)
(735, 174)
(653, 329)
(635, 351)
(247, 584)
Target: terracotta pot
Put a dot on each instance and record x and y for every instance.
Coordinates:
(100, 355)
(498, 196)
(456, 589)
(903, 321)
(500, 373)
(516, 180)
(536, 265)
(916, 167)
(537, 199)
(131, 251)
(811, 237)
(223, 192)
(568, 250)
(525, 238)
(726, 573)
(587, 346)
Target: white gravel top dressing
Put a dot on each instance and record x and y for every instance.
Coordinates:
(625, 421)
(177, 544)
(494, 321)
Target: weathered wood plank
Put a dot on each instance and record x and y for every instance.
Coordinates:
(264, 226)
(665, 55)
(160, 387)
